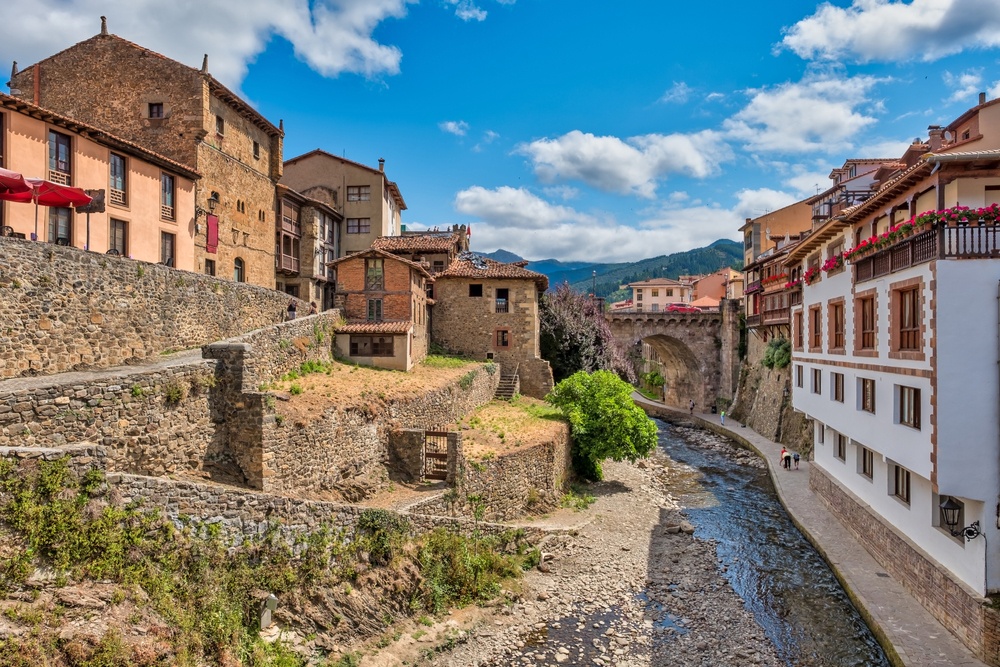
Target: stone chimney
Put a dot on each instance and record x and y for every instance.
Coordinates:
(204, 64)
(381, 164)
(935, 137)
(982, 98)
(104, 25)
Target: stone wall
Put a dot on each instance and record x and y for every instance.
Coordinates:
(956, 607)
(64, 309)
(347, 450)
(527, 481)
(154, 421)
(762, 404)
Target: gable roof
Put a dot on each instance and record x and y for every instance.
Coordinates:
(319, 152)
(470, 265)
(374, 252)
(433, 242)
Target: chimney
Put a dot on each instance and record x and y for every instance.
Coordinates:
(982, 98)
(934, 134)
(104, 25)
(204, 64)
(381, 164)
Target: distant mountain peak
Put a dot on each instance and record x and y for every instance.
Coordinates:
(501, 255)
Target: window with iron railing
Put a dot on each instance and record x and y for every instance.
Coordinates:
(167, 196)
(116, 186)
(502, 300)
(60, 158)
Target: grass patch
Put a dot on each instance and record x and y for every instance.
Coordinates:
(577, 498)
(446, 361)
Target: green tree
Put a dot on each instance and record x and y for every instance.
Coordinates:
(604, 421)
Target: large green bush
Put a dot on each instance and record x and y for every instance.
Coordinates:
(778, 353)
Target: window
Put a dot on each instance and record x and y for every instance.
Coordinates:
(798, 376)
(118, 237)
(374, 274)
(359, 225)
(867, 393)
(820, 433)
(256, 151)
(815, 328)
(866, 307)
(359, 193)
(909, 407)
(155, 110)
(374, 310)
(817, 381)
(656, 292)
(118, 180)
(475, 290)
(502, 299)
(866, 462)
(837, 386)
(438, 266)
(167, 196)
(840, 446)
(670, 292)
(503, 338)
(837, 326)
(909, 319)
(220, 125)
(209, 267)
(798, 330)
(61, 226)
(901, 483)
(638, 295)
(167, 248)
(239, 270)
(59, 158)
(371, 346)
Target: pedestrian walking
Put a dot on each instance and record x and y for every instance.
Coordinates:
(723, 417)
(291, 309)
(691, 406)
(795, 457)
(786, 459)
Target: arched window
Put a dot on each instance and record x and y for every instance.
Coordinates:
(239, 271)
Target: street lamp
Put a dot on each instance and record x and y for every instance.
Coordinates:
(950, 512)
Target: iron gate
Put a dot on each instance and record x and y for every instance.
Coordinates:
(435, 455)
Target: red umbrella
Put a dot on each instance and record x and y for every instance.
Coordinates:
(12, 182)
(46, 193)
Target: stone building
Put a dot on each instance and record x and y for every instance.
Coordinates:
(185, 114)
(136, 223)
(433, 249)
(489, 310)
(384, 301)
(307, 238)
(370, 203)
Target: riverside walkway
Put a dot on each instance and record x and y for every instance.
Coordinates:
(914, 637)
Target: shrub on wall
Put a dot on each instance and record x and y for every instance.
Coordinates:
(778, 353)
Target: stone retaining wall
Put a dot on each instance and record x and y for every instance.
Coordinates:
(956, 607)
(65, 309)
(153, 422)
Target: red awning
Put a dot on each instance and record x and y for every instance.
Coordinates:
(12, 182)
(47, 193)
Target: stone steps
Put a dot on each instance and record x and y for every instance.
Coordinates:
(509, 386)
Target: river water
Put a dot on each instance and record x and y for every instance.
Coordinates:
(782, 580)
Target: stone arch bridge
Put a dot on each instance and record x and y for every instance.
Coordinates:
(695, 352)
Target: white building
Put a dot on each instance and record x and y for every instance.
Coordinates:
(896, 359)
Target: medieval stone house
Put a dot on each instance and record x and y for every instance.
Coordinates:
(188, 116)
(384, 300)
(489, 310)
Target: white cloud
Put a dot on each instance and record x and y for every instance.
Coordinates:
(963, 85)
(712, 97)
(884, 148)
(489, 136)
(678, 93)
(514, 207)
(994, 90)
(806, 183)
(820, 113)
(632, 166)
(456, 127)
(888, 30)
(563, 192)
(468, 10)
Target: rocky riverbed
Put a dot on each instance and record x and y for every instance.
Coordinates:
(626, 584)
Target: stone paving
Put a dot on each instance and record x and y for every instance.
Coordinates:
(916, 637)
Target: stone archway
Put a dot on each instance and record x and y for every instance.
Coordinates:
(683, 374)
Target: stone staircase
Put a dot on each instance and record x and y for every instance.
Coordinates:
(510, 384)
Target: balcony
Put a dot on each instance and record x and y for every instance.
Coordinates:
(753, 321)
(288, 265)
(755, 286)
(290, 226)
(116, 196)
(774, 316)
(502, 306)
(60, 177)
(916, 249)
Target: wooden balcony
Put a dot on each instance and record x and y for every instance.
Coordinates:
(775, 316)
(961, 242)
(288, 265)
(290, 226)
(755, 286)
(795, 296)
(753, 321)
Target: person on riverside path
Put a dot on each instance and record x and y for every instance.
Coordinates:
(723, 417)
(786, 459)
(691, 406)
(796, 457)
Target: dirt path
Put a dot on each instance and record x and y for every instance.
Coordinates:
(627, 572)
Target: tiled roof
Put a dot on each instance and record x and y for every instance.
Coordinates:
(375, 252)
(375, 328)
(465, 266)
(414, 243)
(657, 282)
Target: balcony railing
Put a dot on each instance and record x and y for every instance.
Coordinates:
(753, 321)
(288, 264)
(117, 197)
(291, 226)
(502, 306)
(755, 286)
(795, 297)
(916, 249)
(167, 212)
(60, 177)
(775, 316)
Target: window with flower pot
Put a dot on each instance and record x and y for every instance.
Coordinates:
(909, 406)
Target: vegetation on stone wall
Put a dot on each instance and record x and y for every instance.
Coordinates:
(604, 420)
(778, 353)
(200, 595)
(576, 337)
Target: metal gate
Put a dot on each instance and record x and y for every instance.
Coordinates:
(435, 455)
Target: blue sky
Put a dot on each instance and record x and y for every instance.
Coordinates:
(574, 129)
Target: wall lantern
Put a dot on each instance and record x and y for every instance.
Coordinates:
(951, 510)
(213, 201)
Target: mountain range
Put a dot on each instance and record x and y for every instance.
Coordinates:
(608, 278)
